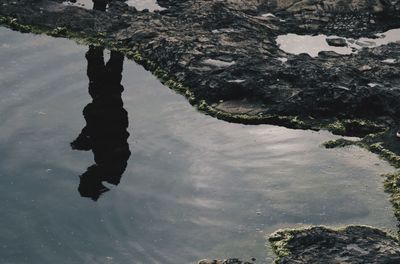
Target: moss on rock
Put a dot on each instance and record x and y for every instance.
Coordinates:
(392, 186)
(351, 244)
(354, 127)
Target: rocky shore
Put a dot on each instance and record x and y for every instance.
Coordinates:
(224, 57)
(225, 53)
(353, 244)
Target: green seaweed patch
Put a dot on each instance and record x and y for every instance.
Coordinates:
(281, 239)
(391, 157)
(59, 32)
(132, 55)
(354, 127)
(12, 23)
(392, 186)
(375, 147)
(340, 143)
(336, 127)
(164, 76)
(97, 39)
(279, 242)
(286, 121)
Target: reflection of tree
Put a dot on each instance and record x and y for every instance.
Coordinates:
(105, 132)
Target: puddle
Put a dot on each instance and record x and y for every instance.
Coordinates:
(312, 45)
(194, 187)
(151, 5)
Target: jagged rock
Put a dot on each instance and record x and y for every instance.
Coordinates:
(226, 261)
(337, 42)
(351, 245)
(226, 51)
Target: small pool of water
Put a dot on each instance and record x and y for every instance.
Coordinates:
(151, 5)
(312, 45)
(193, 186)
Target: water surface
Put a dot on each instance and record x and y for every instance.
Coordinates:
(194, 187)
(312, 45)
(151, 5)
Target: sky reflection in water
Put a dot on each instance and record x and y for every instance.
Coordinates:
(151, 5)
(194, 186)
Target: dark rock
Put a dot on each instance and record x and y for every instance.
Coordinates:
(226, 261)
(337, 42)
(352, 245)
(225, 51)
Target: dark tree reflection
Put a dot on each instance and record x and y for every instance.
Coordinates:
(105, 132)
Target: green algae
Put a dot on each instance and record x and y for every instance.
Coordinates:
(372, 143)
(392, 186)
(279, 244)
(287, 121)
(339, 143)
(97, 39)
(281, 239)
(354, 127)
(385, 153)
(377, 148)
(336, 127)
(13, 24)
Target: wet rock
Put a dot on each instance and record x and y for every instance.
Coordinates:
(228, 51)
(226, 261)
(353, 244)
(337, 42)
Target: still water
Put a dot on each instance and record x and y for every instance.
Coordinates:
(151, 5)
(192, 187)
(312, 45)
